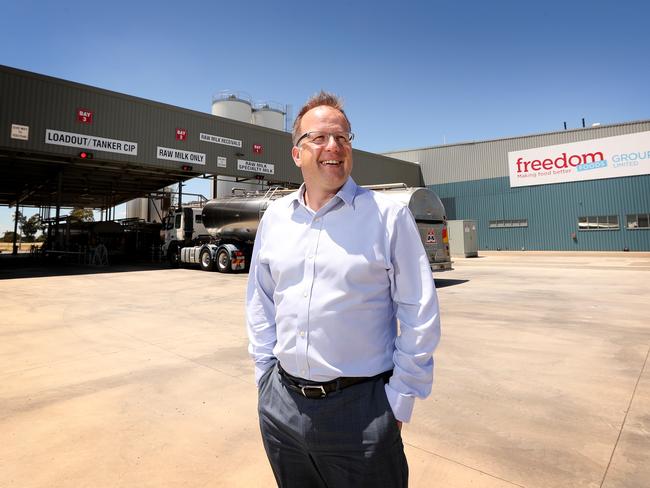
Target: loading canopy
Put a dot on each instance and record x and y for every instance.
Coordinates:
(35, 180)
(133, 146)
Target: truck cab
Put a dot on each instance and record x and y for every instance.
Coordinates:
(184, 225)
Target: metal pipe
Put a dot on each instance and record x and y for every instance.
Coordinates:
(59, 184)
(15, 247)
(386, 186)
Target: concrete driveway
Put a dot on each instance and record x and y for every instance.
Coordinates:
(140, 378)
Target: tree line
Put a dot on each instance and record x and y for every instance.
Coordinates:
(30, 226)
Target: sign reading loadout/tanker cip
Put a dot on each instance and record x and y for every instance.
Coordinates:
(609, 157)
(85, 141)
(180, 156)
(255, 167)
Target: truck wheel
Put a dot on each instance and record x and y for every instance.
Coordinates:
(223, 262)
(205, 259)
(173, 257)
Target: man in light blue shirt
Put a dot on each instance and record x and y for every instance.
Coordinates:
(334, 268)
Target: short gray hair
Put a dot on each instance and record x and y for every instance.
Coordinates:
(317, 100)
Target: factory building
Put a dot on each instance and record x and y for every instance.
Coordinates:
(575, 190)
(64, 144)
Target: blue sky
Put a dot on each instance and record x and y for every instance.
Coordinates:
(412, 74)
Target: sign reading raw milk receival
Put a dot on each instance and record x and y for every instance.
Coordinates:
(219, 140)
(255, 167)
(609, 157)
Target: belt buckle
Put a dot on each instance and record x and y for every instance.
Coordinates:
(313, 387)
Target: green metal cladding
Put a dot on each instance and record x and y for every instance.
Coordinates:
(552, 212)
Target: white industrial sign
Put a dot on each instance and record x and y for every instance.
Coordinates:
(609, 157)
(20, 132)
(181, 156)
(221, 162)
(85, 141)
(220, 140)
(255, 167)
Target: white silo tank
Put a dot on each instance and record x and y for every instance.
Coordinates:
(137, 208)
(233, 105)
(269, 114)
(157, 208)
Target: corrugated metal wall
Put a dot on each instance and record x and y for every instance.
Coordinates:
(489, 159)
(472, 181)
(42, 102)
(552, 212)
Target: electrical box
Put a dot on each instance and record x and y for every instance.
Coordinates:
(463, 238)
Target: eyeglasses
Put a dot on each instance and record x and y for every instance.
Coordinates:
(319, 138)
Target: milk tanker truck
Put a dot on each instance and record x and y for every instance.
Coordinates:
(220, 235)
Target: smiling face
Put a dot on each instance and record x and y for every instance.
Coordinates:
(325, 168)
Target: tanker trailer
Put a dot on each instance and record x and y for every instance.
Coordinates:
(221, 236)
(430, 218)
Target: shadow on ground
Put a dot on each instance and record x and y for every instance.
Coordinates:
(442, 283)
(14, 270)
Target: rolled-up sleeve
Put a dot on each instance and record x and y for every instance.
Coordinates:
(416, 302)
(260, 310)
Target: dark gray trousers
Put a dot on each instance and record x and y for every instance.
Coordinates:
(348, 439)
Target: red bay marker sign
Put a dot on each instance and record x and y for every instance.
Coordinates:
(84, 116)
(609, 157)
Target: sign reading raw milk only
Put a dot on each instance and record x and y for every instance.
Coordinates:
(255, 167)
(180, 156)
(609, 157)
(85, 141)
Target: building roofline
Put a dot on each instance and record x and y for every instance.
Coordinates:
(401, 161)
(469, 143)
(104, 91)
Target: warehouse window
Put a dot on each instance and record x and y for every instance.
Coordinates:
(599, 222)
(497, 224)
(198, 218)
(638, 221)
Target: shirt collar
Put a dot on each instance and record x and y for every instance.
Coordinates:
(347, 193)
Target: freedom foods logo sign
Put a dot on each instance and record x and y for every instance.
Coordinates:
(609, 157)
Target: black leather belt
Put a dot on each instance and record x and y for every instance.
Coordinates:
(314, 390)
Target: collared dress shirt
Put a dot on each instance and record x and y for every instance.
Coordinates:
(326, 290)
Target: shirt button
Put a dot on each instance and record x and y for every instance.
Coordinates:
(311, 256)
(302, 333)
(304, 294)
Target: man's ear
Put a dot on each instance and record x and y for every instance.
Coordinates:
(295, 154)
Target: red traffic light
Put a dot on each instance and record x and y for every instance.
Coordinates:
(85, 155)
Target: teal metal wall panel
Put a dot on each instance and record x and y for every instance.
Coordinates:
(552, 212)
